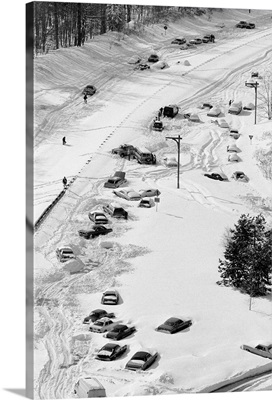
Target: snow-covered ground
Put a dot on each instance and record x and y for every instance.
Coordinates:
(164, 260)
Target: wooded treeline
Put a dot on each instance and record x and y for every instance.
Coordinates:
(71, 24)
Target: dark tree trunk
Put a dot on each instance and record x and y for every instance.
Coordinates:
(56, 25)
(103, 26)
(79, 32)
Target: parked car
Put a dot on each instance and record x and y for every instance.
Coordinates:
(208, 38)
(98, 217)
(97, 314)
(128, 194)
(157, 126)
(179, 41)
(214, 112)
(263, 350)
(110, 296)
(120, 331)
(240, 176)
(235, 107)
(241, 24)
(149, 192)
(173, 325)
(170, 162)
(232, 148)
(117, 180)
(233, 157)
(234, 133)
(123, 150)
(207, 105)
(217, 176)
(89, 387)
(110, 352)
(96, 230)
(143, 66)
(255, 74)
(141, 360)
(146, 202)
(250, 25)
(115, 211)
(195, 41)
(170, 111)
(89, 90)
(64, 253)
(102, 325)
(153, 58)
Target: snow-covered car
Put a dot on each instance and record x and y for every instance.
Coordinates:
(153, 58)
(98, 217)
(146, 202)
(235, 108)
(179, 41)
(64, 253)
(96, 230)
(263, 350)
(142, 67)
(120, 332)
(127, 194)
(232, 148)
(97, 314)
(223, 123)
(141, 360)
(117, 180)
(206, 105)
(89, 90)
(249, 107)
(170, 162)
(134, 59)
(110, 296)
(233, 157)
(195, 41)
(234, 133)
(102, 325)
(250, 25)
(110, 352)
(214, 112)
(240, 176)
(217, 176)
(173, 325)
(123, 150)
(115, 211)
(157, 126)
(170, 111)
(149, 192)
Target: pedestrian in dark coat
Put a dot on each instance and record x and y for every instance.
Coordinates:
(64, 140)
(85, 98)
(64, 181)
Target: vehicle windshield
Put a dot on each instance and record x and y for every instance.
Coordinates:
(140, 356)
(99, 323)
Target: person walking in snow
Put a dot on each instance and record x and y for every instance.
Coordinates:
(64, 140)
(85, 98)
(229, 102)
(64, 181)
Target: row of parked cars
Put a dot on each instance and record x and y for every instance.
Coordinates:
(101, 321)
(195, 41)
(245, 25)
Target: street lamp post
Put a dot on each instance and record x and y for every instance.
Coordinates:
(250, 83)
(177, 140)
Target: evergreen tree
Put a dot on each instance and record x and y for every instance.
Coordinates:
(247, 264)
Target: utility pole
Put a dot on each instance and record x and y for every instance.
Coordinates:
(177, 140)
(250, 83)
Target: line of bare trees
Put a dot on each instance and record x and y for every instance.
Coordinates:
(71, 24)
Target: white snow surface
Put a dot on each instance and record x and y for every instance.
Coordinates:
(164, 260)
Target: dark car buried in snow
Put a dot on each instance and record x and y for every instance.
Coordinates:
(153, 58)
(110, 352)
(217, 176)
(173, 325)
(123, 150)
(141, 361)
(120, 331)
(94, 232)
(89, 90)
(117, 180)
(97, 314)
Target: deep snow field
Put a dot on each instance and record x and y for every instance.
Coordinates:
(163, 260)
